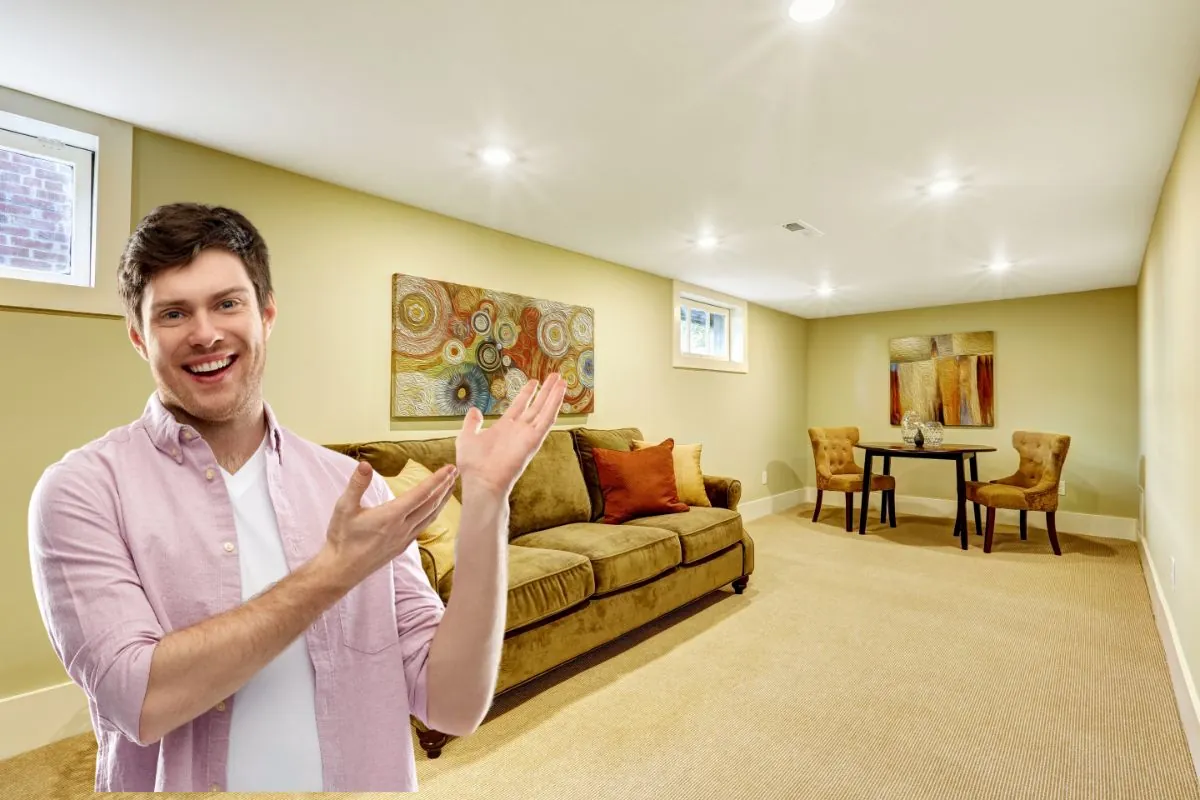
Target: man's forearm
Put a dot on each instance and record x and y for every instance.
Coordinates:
(195, 668)
(464, 655)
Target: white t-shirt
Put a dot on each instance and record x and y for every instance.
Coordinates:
(273, 745)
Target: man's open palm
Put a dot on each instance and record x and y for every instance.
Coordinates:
(495, 457)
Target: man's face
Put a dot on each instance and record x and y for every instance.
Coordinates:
(205, 337)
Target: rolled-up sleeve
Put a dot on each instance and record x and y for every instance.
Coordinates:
(90, 596)
(419, 611)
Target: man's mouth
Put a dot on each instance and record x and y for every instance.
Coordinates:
(211, 369)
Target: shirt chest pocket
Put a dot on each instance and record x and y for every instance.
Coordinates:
(367, 614)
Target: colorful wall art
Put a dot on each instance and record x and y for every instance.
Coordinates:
(457, 346)
(946, 378)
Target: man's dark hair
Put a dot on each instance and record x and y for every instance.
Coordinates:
(173, 235)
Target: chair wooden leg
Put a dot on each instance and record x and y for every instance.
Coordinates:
(817, 510)
(989, 530)
(1053, 533)
(883, 506)
(1024, 529)
(891, 505)
(849, 512)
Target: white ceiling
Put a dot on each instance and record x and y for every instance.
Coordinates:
(639, 123)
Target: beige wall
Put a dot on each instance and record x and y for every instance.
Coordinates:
(333, 252)
(1066, 364)
(1170, 361)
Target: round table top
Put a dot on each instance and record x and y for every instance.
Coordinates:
(945, 448)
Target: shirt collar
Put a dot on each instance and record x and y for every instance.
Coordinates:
(168, 435)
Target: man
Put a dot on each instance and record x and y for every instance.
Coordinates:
(246, 610)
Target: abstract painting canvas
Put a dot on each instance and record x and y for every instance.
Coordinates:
(454, 347)
(945, 378)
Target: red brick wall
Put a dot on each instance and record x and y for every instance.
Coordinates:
(36, 199)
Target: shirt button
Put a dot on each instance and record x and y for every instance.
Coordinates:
(229, 547)
(175, 452)
(208, 473)
(214, 788)
(221, 706)
(188, 435)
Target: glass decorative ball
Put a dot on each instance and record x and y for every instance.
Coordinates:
(909, 426)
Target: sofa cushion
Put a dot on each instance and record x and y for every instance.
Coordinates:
(701, 531)
(586, 440)
(689, 477)
(621, 555)
(638, 483)
(541, 583)
(551, 491)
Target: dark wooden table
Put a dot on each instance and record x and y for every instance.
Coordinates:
(958, 453)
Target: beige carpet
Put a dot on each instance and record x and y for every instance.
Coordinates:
(887, 666)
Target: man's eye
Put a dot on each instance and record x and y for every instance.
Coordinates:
(172, 315)
(228, 304)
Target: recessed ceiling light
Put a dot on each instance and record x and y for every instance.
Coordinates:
(707, 241)
(825, 290)
(999, 265)
(943, 187)
(496, 156)
(810, 10)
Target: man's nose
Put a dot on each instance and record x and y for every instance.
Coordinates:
(203, 333)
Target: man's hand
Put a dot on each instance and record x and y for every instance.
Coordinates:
(362, 540)
(492, 459)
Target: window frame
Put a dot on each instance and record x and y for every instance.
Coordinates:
(47, 142)
(111, 204)
(737, 340)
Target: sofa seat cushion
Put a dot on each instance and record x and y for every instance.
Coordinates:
(621, 555)
(701, 531)
(541, 583)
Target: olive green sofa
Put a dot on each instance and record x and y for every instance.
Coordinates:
(574, 582)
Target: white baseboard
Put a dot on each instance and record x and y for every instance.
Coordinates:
(33, 720)
(773, 504)
(1181, 675)
(1064, 521)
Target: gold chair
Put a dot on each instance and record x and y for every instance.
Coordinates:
(833, 454)
(1033, 487)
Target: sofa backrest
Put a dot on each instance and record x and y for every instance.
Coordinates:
(552, 491)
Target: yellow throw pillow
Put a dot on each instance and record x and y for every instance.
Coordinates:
(689, 479)
(439, 537)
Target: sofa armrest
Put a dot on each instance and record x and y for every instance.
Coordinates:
(723, 492)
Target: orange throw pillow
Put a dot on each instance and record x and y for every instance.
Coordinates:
(638, 483)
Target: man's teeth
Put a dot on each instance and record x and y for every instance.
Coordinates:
(211, 366)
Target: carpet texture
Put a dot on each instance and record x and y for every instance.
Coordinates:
(891, 665)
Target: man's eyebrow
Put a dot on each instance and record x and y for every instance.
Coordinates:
(168, 303)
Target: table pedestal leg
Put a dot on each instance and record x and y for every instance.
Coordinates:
(866, 494)
(960, 522)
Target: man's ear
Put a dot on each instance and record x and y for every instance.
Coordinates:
(135, 336)
(268, 314)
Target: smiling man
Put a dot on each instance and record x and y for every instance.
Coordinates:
(244, 609)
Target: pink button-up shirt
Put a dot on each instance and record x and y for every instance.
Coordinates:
(132, 537)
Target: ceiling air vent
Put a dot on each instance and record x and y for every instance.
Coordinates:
(800, 226)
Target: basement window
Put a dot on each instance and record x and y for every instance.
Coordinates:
(47, 202)
(709, 330)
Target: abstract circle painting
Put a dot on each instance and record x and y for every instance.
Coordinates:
(455, 347)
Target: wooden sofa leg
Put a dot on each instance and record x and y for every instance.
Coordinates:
(990, 530)
(432, 742)
(739, 585)
(817, 510)
(849, 512)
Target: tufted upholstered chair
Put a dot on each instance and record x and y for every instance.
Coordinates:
(1033, 487)
(833, 454)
